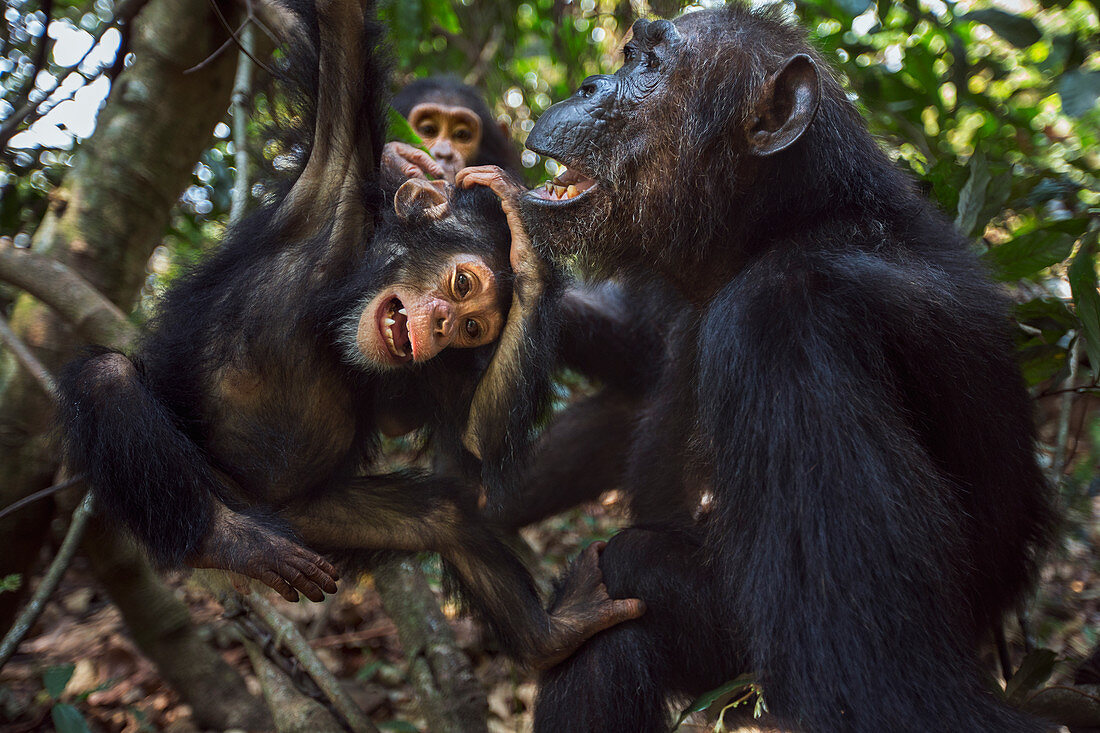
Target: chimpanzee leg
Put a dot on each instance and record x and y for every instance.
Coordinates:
(619, 679)
(579, 456)
(424, 512)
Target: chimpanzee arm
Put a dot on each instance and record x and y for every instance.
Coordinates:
(418, 512)
(514, 390)
(835, 535)
(616, 333)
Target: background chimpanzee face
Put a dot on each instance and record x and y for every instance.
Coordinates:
(451, 133)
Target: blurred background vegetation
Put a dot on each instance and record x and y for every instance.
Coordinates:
(993, 106)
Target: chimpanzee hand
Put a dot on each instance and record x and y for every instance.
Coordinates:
(409, 161)
(242, 545)
(527, 264)
(583, 609)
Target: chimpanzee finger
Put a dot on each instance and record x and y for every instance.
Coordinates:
(311, 574)
(323, 566)
(422, 160)
(273, 581)
(299, 581)
(318, 570)
(624, 609)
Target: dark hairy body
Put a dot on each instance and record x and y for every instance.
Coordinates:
(844, 395)
(246, 424)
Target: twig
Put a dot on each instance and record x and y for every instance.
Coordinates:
(24, 356)
(289, 707)
(235, 39)
(289, 636)
(49, 582)
(1058, 465)
(242, 85)
(354, 637)
(30, 499)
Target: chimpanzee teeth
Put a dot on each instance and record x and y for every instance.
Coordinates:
(571, 191)
(388, 321)
(402, 312)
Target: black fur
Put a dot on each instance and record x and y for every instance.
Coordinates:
(845, 389)
(246, 416)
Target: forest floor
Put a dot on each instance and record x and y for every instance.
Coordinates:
(116, 689)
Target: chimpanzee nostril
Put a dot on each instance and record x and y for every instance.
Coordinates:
(587, 90)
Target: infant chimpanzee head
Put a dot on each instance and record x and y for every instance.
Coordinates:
(439, 277)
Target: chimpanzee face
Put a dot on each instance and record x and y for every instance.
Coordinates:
(586, 131)
(685, 124)
(444, 282)
(451, 133)
(413, 320)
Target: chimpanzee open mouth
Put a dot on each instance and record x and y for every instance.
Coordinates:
(394, 327)
(567, 186)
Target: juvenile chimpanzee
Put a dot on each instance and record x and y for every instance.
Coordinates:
(456, 126)
(253, 404)
(846, 394)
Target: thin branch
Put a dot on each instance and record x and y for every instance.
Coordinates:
(1061, 456)
(242, 85)
(30, 499)
(27, 359)
(75, 299)
(288, 635)
(233, 36)
(49, 582)
(220, 49)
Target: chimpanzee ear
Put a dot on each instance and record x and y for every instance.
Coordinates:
(786, 107)
(417, 198)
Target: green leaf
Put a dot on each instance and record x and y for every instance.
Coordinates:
(1033, 672)
(972, 196)
(55, 679)
(707, 699)
(1086, 298)
(399, 130)
(1079, 91)
(10, 583)
(1016, 29)
(398, 726)
(1028, 254)
(67, 719)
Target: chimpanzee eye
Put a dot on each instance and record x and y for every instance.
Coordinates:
(628, 53)
(462, 285)
(427, 131)
(473, 330)
(461, 135)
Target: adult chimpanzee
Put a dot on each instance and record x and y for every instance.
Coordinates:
(456, 126)
(846, 394)
(244, 420)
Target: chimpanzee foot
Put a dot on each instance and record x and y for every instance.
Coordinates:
(583, 609)
(242, 545)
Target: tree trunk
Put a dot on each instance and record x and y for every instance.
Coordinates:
(113, 209)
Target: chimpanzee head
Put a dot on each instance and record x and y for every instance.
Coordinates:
(686, 134)
(456, 125)
(437, 275)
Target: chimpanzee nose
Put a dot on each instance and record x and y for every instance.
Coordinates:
(594, 85)
(442, 150)
(442, 322)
